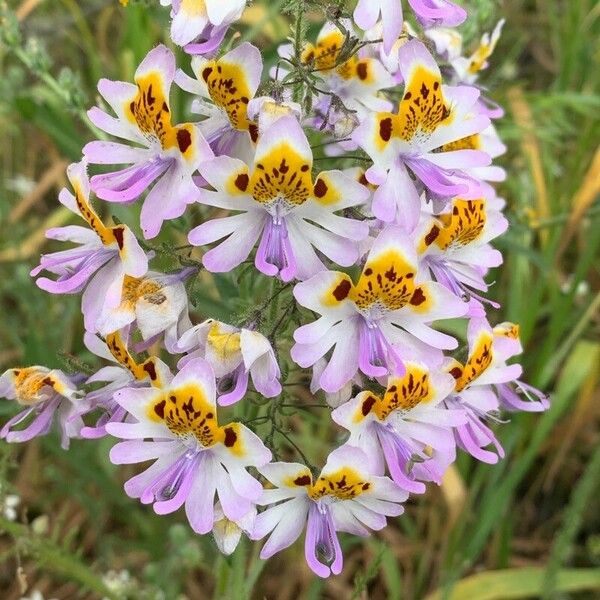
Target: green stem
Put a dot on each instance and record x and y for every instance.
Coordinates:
(58, 90)
(254, 571)
(298, 45)
(222, 577)
(238, 575)
(293, 444)
(274, 300)
(286, 311)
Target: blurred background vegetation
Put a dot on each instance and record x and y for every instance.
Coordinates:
(527, 527)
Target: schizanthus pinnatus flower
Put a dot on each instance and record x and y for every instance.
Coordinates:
(368, 278)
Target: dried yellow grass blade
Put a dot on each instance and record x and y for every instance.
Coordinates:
(55, 175)
(531, 149)
(454, 492)
(26, 7)
(582, 200)
(35, 241)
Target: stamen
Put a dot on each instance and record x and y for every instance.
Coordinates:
(322, 548)
(325, 547)
(399, 456)
(475, 435)
(166, 486)
(129, 183)
(508, 394)
(170, 490)
(376, 356)
(274, 254)
(443, 274)
(226, 383)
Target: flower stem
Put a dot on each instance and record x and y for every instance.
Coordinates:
(299, 31)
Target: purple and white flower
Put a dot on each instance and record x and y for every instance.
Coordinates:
(345, 497)
(195, 457)
(158, 152)
(485, 383)
(125, 372)
(265, 111)
(227, 533)
(380, 253)
(349, 90)
(279, 203)
(104, 257)
(223, 89)
(455, 247)
(428, 13)
(48, 395)
(515, 395)
(430, 116)
(357, 82)
(235, 354)
(200, 25)
(409, 429)
(379, 322)
(157, 303)
(466, 69)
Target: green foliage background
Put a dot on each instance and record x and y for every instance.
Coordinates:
(526, 527)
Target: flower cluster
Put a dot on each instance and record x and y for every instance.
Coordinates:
(381, 251)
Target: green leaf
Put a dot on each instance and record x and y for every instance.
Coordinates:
(517, 583)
